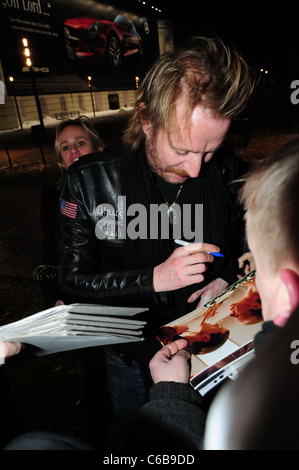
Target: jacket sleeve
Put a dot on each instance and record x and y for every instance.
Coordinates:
(173, 419)
(81, 252)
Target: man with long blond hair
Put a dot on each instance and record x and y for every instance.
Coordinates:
(183, 112)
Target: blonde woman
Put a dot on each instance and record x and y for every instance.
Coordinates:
(74, 139)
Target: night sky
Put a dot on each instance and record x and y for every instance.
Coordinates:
(267, 34)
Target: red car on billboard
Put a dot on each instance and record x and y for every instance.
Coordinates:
(93, 39)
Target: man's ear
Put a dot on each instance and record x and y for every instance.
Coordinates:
(146, 126)
(290, 279)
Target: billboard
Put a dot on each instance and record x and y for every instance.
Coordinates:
(70, 40)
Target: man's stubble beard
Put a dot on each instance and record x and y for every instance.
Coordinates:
(165, 173)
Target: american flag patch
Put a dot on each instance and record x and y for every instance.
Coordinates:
(68, 208)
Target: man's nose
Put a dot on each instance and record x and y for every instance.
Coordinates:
(193, 165)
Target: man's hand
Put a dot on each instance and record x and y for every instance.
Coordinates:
(171, 363)
(208, 292)
(246, 261)
(185, 266)
(8, 349)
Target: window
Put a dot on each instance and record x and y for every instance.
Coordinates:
(81, 102)
(63, 103)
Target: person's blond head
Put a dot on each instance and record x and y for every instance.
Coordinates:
(84, 123)
(208, 73)
(270, 196)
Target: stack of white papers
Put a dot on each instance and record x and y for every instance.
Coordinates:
(75, 326)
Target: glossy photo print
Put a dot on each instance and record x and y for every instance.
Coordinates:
(219, 332)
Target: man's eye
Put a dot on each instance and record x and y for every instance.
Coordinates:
(207, 155)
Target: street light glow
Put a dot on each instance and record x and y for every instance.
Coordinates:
(38, 106)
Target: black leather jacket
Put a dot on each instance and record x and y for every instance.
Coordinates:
(117, 270)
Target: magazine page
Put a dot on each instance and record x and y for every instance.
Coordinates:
(228, 367)
(220, 333)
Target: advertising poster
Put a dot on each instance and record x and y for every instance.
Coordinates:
(70, 40)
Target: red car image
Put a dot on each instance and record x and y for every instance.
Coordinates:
(94, 39)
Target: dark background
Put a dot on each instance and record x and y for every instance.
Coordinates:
(266, 33)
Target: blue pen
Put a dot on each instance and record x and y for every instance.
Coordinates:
(182, 242)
